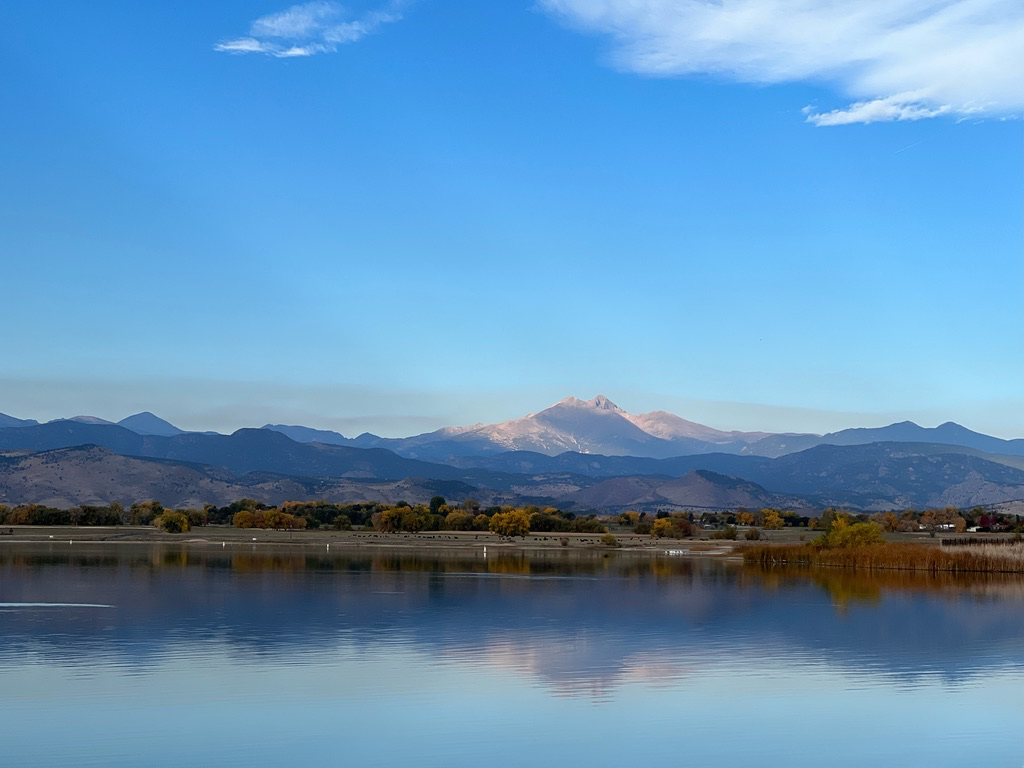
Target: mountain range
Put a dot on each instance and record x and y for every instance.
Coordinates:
(585, 455)
(598, 426)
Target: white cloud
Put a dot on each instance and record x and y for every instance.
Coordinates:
(299, 21)
(243, 45)
(309, 29)
(898, 59)
(875, 111)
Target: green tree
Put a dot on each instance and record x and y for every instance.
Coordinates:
(543, 522)
(459, 521)
(416, 519)
(643, 527)
(827, 518)
(144, 512)
(629, 517)
(118, 509)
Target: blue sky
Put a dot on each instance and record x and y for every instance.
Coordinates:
(779, 215)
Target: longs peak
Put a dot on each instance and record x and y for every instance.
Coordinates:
(599, 403)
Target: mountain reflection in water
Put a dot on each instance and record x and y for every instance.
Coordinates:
(553, 641)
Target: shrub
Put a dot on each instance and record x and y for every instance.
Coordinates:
(856, 535)
(662, 528)
(675, 527)
(588, 525)
(459, 521)
(172, 522)
(753, 534)
(608, 540)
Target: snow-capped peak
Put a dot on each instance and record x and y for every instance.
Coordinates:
(599, 403)
(604, 404)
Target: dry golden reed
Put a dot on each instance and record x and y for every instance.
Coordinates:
(894, 556)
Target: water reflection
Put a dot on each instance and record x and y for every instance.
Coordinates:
(554, 635)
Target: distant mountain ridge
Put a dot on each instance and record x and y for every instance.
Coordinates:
(10, 421)
(309, 435)
(949, 433)
(597, 426)
(600, 427)
(146, 423)
(872, 476)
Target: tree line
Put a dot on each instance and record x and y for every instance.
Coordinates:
(437, 515)
(440, 515)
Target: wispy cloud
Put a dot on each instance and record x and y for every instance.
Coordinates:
(309, 29)
(897, 59)
(878, 110)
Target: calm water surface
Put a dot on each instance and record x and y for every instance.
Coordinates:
(156, 655)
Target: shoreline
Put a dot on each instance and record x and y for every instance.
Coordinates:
(776, 554)
(358, 540)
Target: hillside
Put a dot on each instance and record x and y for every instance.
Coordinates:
(699, 489)
(91, 475)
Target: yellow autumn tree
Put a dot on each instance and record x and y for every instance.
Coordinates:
(515, 522)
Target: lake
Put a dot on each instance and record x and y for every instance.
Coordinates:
(160, 655)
